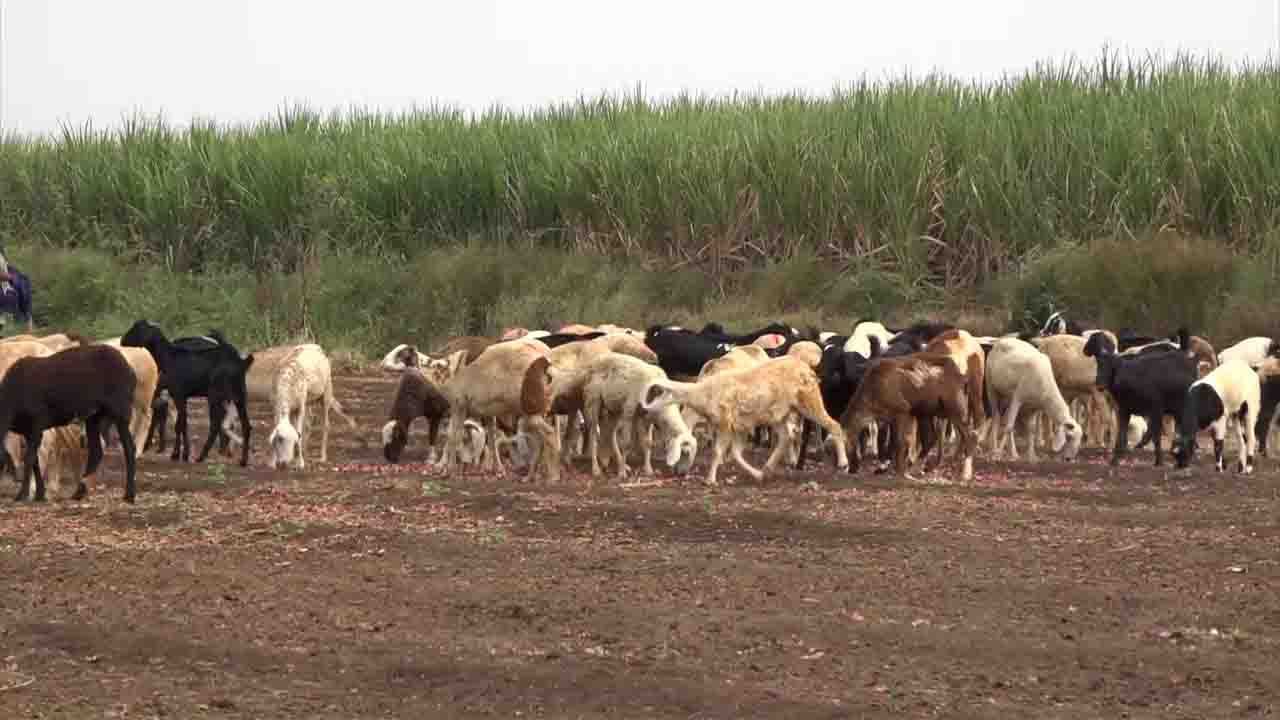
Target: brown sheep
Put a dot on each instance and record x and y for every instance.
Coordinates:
(904, 388)
(416, 396)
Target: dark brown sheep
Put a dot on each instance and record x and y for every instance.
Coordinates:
(93, 383)
(416, 396)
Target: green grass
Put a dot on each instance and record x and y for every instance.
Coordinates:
(903, 199)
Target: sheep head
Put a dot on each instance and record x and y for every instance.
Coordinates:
(656, 397)
(283, 442)
(1069, 435)
(472, 449)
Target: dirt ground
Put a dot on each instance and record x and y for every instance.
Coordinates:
(359, 590)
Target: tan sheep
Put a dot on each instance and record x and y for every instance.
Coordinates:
(63, 453)
(738, 402)
(491, 387)
(148, 374)
(303, 376)
(1077, 378)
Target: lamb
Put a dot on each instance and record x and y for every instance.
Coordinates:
(738, 402)
(1152, 384)
(900, 389)
(612, 398)
(860, 339)
(490, 387)
(305, 374)
(1020, 378)
(92, 382)
(416, 396)
(1230, 393)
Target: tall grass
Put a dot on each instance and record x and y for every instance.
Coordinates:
(942, 181)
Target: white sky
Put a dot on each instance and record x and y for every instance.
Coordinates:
(72, 61)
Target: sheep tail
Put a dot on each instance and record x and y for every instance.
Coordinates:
(535, 389)
(336, 406)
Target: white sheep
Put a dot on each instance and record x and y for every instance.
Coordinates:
(738, 402)
(1019, 378)
(612, 398)
(303, 376)
(1077, 378)
(401, 357)
(1230, 394)
(63, 453)
(1252, 351)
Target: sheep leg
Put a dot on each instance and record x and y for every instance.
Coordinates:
(968, 443)
(493, 445)
(1248, 438)
(24, 481)
(93, 441)
(781, 436)
(159, 425)
(643, 433)
(324, 436)
(1157, 421)
(592, 411)
(456, 419)
(300, 451)
(810, 407)
(906, 426)
(615, 454)
(181, 444)
(723, 439)
(805, 431)
(736, 443)
(550, 450)
(1122, 437)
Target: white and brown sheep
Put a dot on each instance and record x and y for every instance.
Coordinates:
(860, 339)
(738, 402)
(491, 387)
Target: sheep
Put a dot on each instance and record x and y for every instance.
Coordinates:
(902, 388)
(62, 452)
(472, 344)
(839, 373)
(1076, 375)
(576, 329)
(1253, 351)
(860, 339)
(144, 398)
(1230, 393)
(970, 360)
(1152, 384)
(682, 354)
(93, 382)
(1269, 377)
(739, 358)
(489, 387)
(612, 397)
(739, 401)
(217, 373)
(304, 375)
(416, 396)
(1020, 378)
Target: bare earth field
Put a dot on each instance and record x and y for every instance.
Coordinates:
(1035, 591)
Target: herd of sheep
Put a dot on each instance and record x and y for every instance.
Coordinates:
(541, 399)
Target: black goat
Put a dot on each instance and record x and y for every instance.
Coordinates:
(92, 382)
(555, 340)
(839, 374)
(682, 353)
(1151, 385)
(216, 373)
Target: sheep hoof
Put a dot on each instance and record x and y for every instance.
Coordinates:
(129, 499)
(81, 491)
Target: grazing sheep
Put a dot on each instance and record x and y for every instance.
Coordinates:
(304, 375)
(903, 388)
(1020, 379)
(1152, 384)
(490, 387)
(612, 398)
(93, 382)
(416, 396)
(1231, 393)
(1076, 375)
(738, 402)
(217, 373)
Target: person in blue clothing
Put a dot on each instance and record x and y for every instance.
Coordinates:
(15, 294)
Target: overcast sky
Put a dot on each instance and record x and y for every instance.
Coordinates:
(72, 61)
